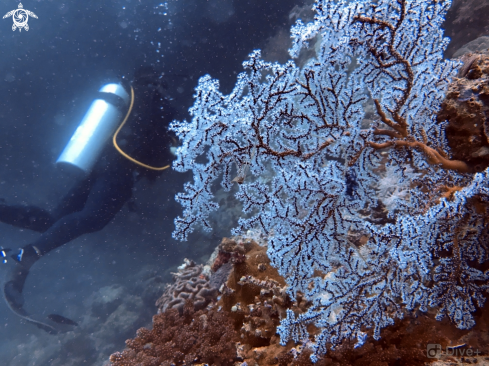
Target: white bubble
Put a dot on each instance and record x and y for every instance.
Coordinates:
(123, 24)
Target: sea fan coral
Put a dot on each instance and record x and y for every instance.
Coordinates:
(301, 128)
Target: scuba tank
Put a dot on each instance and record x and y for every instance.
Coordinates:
(96, 128)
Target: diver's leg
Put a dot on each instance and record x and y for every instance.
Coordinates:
(38, 219)
(26, 217)
(106, 198)
(75, 199)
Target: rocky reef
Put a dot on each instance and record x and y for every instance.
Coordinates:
(466, 20)
(239, 326)
(466, 108)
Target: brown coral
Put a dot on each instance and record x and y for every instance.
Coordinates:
(256, 298)
(228, 251)
(204, 336)
(466, 108)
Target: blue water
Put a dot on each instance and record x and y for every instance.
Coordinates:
(107, 281)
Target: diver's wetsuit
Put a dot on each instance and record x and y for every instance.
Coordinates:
(88, 207)
(93, 202)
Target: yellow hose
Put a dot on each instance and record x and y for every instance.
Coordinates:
(114, 140)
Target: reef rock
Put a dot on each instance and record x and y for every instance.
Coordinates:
(466, 20)
(466, 108)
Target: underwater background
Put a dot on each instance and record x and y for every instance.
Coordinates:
(109, 281)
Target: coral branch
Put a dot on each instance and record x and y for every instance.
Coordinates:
(433, 157)
(400, 126)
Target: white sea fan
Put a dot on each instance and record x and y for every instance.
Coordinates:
(301, 128)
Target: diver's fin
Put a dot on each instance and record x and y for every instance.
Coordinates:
(45, 327)
(61, 320)
(12, 298)
(14, 283)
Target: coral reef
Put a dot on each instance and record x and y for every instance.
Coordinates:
(254, 300)
(374, 220)
(189, 283)
(204, 336)
(257, 301)
(466, 108)
(307, 169)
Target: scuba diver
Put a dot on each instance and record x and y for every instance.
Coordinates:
(109, 176)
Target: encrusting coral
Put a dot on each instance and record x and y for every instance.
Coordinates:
(255, 296)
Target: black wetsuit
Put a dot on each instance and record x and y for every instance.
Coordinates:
(93, 202)
(88, 207)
